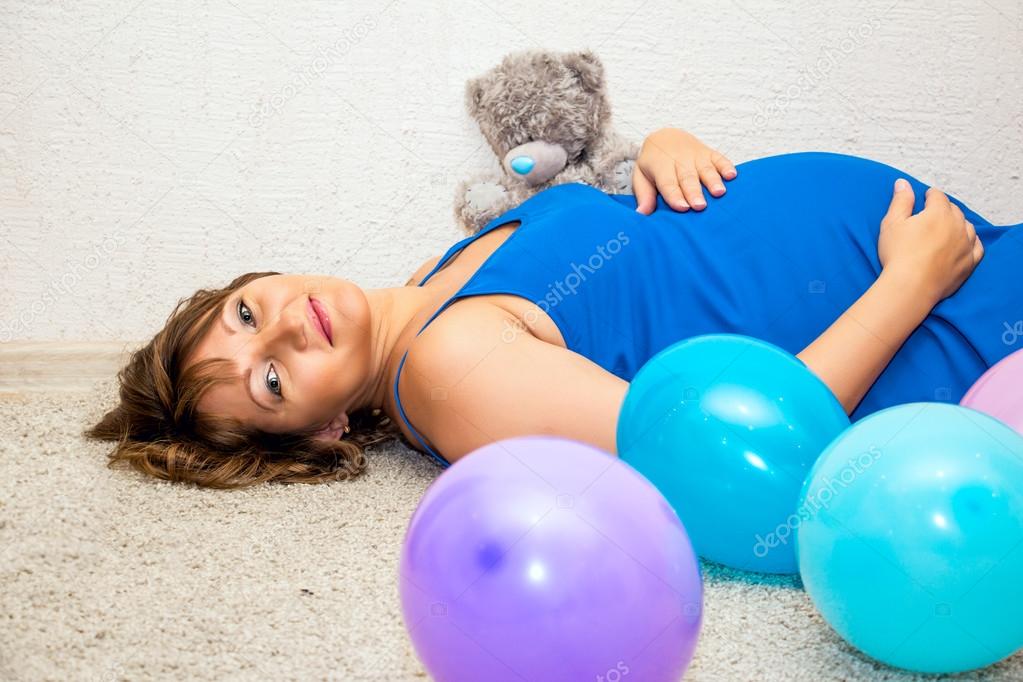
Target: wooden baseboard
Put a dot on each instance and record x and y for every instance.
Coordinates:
(32, 366)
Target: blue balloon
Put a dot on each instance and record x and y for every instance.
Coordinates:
(911, 540)
(727, 427)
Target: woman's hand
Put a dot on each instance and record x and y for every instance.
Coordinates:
(924, 258)
(674, 163)
(937, 247)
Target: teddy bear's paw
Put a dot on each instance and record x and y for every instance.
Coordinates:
(481, 196)
(622, 177)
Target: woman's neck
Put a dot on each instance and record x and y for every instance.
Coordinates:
(398, 313)
(396, 316)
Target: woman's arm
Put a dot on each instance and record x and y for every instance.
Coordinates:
(925, 257)
(855, 349)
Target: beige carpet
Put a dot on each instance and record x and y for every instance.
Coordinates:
(106, 575)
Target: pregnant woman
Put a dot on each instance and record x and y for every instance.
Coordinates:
(889, 291)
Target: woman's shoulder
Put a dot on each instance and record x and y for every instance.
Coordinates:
(467, 331)
(443, 354)
(466, 326)
(419, 274)
(479, 380)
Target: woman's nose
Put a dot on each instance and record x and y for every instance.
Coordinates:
(289, 329)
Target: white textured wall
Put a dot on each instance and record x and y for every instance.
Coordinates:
(151, 147)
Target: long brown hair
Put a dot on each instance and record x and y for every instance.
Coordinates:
(159, 431)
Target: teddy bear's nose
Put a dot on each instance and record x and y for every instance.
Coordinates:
(535, 162)
(522, 164)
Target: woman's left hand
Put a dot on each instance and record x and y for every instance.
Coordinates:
(674, 163)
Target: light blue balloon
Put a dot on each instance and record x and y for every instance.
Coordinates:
(727, 427)
(911, 543)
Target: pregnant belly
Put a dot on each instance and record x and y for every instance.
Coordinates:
(789, 247)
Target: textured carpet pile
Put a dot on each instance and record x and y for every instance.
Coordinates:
(109, 575)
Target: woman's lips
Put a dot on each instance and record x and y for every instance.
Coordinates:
(322, 319)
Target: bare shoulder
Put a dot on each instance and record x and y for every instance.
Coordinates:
(419, 274)
(480, 376)
(462, 333)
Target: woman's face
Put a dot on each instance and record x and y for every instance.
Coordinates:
(293, 379)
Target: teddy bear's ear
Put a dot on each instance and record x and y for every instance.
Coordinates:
(473, 96)
(587, 68)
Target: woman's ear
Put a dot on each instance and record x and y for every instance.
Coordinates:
(333, 430)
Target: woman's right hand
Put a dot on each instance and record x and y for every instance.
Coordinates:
(937, 247)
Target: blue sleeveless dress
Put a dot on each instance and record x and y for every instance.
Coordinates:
(780, 256)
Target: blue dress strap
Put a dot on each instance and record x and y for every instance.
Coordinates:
(401, 410)
(517, 213)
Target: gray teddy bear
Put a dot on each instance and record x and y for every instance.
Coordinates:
(546, 116)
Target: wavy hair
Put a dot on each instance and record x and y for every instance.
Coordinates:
(159, 432)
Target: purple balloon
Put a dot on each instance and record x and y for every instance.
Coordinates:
(543, 558)
(999, 391)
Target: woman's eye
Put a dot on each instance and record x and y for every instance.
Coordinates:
(273, 382)
(247, 315)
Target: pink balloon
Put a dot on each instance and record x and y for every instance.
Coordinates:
(999, 391)
(545, 559)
